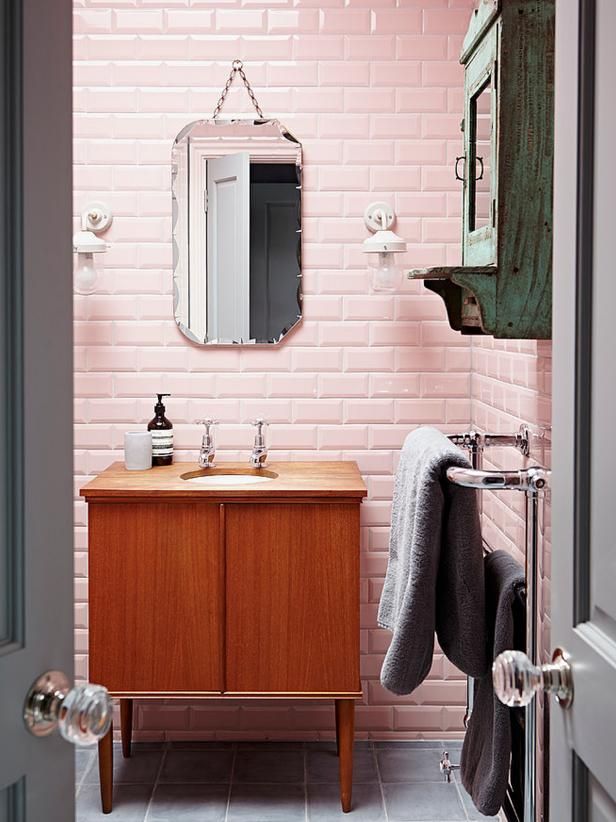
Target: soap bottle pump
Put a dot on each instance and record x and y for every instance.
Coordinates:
(162, 434)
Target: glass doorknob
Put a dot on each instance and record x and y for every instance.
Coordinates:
(82, 714)
(516, 680)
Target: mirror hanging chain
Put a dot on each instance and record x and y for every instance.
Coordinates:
(237, 67)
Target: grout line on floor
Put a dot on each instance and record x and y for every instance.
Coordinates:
(231, 775)
(81, 782)
(459, 792)
(380, 783)
(156, 781)
(305, 750)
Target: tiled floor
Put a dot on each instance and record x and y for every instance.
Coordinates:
(274, 782)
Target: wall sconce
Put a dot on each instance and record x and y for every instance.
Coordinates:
(86, 244)
(382, 247)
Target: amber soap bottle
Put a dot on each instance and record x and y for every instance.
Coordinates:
(162, 434)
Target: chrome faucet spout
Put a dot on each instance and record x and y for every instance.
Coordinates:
(207, 453)
(258, 458)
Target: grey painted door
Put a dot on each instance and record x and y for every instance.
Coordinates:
(583, 738)
(36, 592)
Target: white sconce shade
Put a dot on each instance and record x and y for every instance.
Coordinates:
(95, 219)
(382, 247)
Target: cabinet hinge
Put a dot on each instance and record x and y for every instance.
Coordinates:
(205, 201)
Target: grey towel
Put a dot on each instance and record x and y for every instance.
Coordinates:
(434, 577)
(486, 752)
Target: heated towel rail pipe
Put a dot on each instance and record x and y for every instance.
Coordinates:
(533, 481)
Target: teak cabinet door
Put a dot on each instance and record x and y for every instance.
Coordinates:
(156, 596)
(292, 592)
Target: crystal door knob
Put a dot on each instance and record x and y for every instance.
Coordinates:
(82, 714)
(516, 680)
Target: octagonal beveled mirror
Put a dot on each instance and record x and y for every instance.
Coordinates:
(236, 189)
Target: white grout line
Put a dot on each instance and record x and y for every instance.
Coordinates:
(231, 775)
(305, 750)
(156, 781)
(459, 792)
(380, 782)
(81, 782)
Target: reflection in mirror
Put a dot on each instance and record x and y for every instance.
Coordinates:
(236, 231)
(481, 152)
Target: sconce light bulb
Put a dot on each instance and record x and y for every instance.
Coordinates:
(86, 273)
(386, 275)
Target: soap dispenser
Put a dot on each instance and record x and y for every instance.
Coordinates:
(162, 434)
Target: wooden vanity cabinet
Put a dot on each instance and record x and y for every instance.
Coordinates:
(156, 603)
(218, 593)
(292, 598)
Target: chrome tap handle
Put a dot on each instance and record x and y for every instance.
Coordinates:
(516, 680)
(208, 446)
(258, 458)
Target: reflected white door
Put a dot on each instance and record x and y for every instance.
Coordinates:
(228, 247)
(583, 738)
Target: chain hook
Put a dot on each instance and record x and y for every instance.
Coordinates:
(237, 66)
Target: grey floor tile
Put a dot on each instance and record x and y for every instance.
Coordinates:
(269, 766)
(330, 745)
(189, 803)
(130, 803)
(423, 802)
(270, 746)
(409, 765)
(141, 767)
(210, 745)
(324, 804)
(322, 766)
(418, 745)
(197, 766)
(471, 811)
(267, 803)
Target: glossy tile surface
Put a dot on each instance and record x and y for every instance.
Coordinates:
(275, 782)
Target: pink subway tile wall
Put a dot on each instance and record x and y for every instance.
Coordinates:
(373, 92)
(511, 383)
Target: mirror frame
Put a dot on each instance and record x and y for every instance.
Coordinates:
(176, 222)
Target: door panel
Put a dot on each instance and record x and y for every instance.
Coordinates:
(228, 247)
(155, 593)
(292, 597)
(36, 533)
(583, 743)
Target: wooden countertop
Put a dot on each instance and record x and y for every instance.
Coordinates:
(293, 480)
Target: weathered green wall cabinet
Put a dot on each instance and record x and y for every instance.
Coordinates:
(504, 285)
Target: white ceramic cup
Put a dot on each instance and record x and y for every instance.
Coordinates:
(137, 450)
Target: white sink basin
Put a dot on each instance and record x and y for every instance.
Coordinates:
(228, 479)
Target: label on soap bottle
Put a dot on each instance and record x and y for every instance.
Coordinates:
(162, 443)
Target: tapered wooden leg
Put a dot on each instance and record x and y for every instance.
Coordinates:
(105, 770)
(345, 731)
(126, 725)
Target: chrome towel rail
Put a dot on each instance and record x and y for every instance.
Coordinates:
(527, 479)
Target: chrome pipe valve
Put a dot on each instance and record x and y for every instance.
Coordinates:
(208, 446)
(258, 458)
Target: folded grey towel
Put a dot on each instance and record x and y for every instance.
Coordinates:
(434, 577)
(486, 752)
